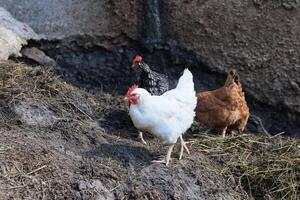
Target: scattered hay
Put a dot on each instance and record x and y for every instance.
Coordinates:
(19, 82)
(265, 167)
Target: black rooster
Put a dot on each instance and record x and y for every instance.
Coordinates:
(155, 83)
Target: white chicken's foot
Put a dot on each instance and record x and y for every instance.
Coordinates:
(168, 156)
(142, 138)
(159, 161)
(183, 146)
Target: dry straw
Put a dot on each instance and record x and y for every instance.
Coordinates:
(43, 87)
(266, 167)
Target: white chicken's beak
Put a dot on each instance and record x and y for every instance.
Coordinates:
(125, 99)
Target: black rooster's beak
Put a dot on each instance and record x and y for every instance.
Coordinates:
(133, 67)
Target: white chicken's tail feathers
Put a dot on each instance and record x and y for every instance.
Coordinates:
(186, 82)
(184, 91)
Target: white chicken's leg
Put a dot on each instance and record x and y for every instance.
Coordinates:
(183, 146)
(168, 156)
(142, 138)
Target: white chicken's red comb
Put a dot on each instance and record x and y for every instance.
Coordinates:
(137, 58)
(131, 89)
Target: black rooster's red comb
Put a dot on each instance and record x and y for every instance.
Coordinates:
(137, 58)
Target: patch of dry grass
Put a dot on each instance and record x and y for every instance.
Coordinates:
(28, 168)
(19, 82)
(265, 167)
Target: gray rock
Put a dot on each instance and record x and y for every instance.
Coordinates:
(60, 19)
(34, 115)
(96, 186)
(13, 35)
(38, 56)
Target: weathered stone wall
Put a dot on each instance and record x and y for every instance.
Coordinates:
(259, 38)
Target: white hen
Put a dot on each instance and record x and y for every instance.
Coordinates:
(167, 116)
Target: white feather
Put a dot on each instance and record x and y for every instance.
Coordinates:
(167, 116)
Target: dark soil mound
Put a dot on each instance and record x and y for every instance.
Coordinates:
(69, 144)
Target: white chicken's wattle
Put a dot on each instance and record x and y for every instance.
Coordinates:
(167, 116)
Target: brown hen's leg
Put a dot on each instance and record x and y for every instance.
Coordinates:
(142, 138)
(224, 132)
(168, 156)
(183, 146)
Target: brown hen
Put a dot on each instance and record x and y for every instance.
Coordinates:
(224, 109)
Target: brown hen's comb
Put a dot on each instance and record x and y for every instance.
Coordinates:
(131, 89)
(137, 58)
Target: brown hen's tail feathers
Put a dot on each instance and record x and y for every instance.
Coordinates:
(232, 77)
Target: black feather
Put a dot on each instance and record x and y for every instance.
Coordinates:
(155, 83)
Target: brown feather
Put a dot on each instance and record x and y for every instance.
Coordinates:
(224, 108)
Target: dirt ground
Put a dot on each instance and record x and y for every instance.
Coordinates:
(92, 152)
(42, 164)
(88, 154)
